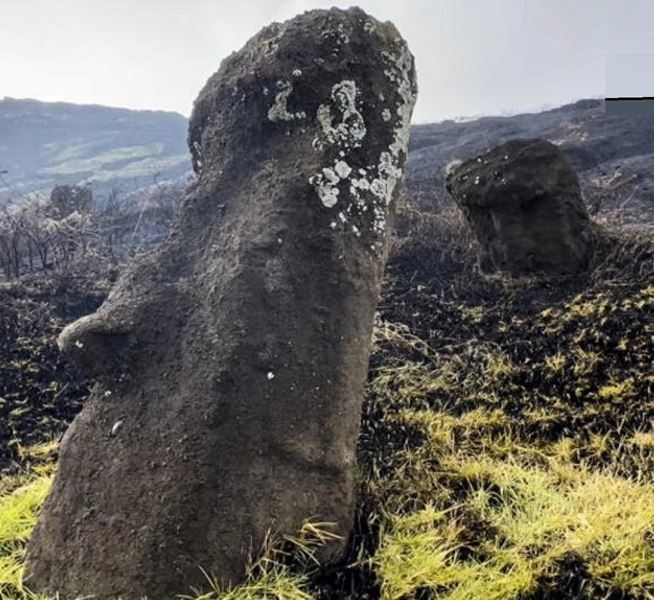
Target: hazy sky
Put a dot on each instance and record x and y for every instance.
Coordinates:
(473, 56)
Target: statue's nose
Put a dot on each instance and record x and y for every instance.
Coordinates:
(96, 343)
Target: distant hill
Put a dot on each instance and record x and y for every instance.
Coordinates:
(614, 156)
(46, 144)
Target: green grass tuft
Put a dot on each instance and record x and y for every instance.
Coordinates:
(18, 512)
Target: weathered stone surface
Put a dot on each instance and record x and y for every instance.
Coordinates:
(231, 362)
(523, 202)
(66, 199)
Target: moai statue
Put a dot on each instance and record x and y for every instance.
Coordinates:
(524, 205)
(231, 361)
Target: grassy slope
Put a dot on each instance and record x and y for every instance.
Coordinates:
(43, 144)
(507, 448)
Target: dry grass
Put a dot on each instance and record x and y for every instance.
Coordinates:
(514, 459)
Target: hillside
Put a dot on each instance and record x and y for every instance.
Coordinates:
(614, 156)
(46, 144)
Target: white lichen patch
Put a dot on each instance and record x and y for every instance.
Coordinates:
(401, 65)
(369, 190)
(331, 176)
(270, 45)
(342, 169)
(348, 129)
(339, 36)
(342, 34)
(279, 110)
(359, 184)
(399, 72)
(369, 27)
(327, 192)
(388, 175)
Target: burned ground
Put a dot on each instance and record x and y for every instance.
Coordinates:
(507, 447)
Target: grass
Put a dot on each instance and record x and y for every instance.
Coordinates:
(508, 450)
(280, 573)
(21, 496)
(509, 527)
(71, 164)
(507, 443)
(18, 511)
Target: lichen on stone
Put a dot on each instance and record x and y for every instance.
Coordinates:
(342, 169)
(271, 45)
(342, 125)
(399, 72)
(326, 184)
(279, 110)
(351, 129)
(347, 133)
(369, 27)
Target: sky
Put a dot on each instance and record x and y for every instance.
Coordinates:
(473, 57)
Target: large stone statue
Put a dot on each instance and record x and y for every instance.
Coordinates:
(231, 361)
(524, 204)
